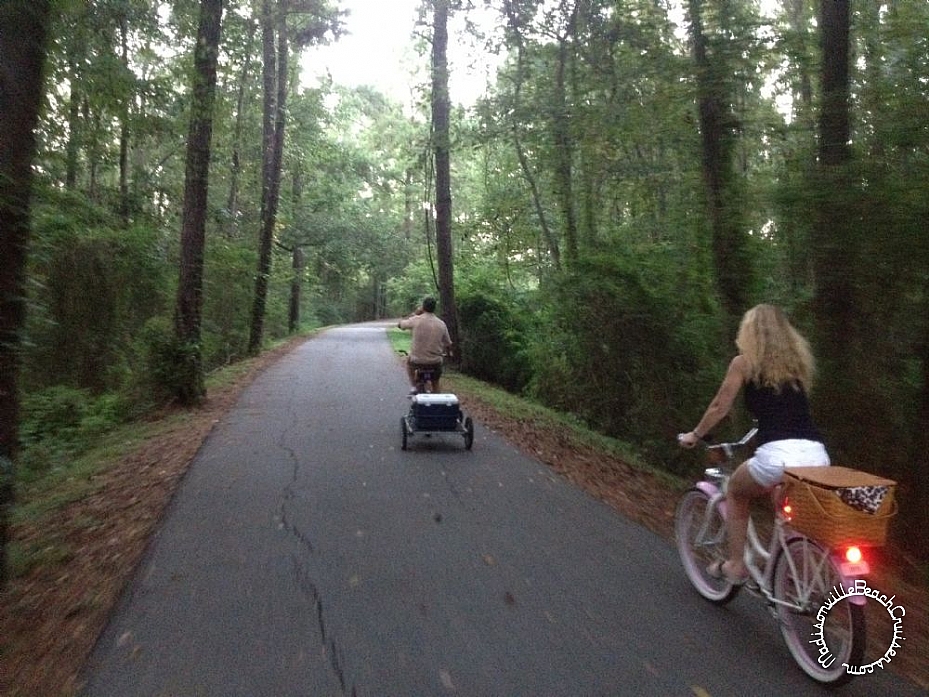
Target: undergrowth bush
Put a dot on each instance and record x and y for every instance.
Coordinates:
(493, 339)
(622, 352)
(167, 368)
(60, 422)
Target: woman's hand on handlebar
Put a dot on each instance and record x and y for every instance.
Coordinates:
(687, 440)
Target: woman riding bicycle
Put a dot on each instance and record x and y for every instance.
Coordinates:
(775, 366)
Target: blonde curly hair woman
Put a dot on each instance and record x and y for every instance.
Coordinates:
(776, 368)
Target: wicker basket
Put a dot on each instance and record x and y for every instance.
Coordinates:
(819, 511)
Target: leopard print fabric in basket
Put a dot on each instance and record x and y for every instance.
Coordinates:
(863, 498)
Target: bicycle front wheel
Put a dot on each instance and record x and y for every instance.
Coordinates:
(700, 532)
(824, 634)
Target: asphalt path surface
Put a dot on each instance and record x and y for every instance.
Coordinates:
(306, 554)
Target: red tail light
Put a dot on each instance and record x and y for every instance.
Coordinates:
(787, 509)
(853, 555)
(852, 562)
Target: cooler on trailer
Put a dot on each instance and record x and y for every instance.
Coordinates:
(435, 412)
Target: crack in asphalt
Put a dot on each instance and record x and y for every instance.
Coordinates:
(305, 583)
(332, 649)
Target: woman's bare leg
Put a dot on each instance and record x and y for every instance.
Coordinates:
(742, 489)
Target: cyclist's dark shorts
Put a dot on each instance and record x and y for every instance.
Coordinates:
(436, 368)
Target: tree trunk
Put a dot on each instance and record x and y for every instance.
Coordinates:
(916, 535)
(190, 286)
(834, 117)
(23, 26)
(796, 231)
(124, 128)
(731, 259)
(833, 245)
(275, 95)
(73, 147)
(235, 169)
(94, 151)
(441, 108)
(409, 205)
(799, 24)
(872, 98)
(296, 284)
(513, 23)
(564, 148)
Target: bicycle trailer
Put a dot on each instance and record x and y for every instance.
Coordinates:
(436, 413)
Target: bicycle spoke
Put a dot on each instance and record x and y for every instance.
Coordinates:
(804, 580)
(700, 533)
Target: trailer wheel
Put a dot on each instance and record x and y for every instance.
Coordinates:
(469, 433)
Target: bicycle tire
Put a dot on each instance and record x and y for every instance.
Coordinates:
(809, 582)
(701, 540)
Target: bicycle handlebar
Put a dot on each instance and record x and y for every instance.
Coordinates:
(735, 444)
(728, 448)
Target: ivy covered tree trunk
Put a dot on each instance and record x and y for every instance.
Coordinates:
(190, 386)
(23, 26)
(443, 193)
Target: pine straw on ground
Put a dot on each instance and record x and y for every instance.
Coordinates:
(51, 617)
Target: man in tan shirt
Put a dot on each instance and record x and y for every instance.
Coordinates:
(430, 342)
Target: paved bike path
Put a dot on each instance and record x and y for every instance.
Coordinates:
(306, 554)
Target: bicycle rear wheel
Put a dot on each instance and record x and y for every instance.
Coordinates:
(821, 631)
(700, 532)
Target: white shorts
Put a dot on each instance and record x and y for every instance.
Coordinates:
(767, 464)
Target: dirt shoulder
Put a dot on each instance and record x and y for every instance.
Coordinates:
(51, 617)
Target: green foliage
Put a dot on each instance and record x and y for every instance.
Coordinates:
(60, 422)
(623, 353)
(493, 328)
(228, 287)
(406, 291)
(400, 340)
(169, 367)
(92, 287)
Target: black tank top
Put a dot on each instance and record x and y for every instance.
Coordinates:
(781, 414)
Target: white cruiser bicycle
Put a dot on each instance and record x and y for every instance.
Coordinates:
(793, 574)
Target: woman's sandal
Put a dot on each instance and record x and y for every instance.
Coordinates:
(715, 569)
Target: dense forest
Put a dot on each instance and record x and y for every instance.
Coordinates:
(637, 174)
